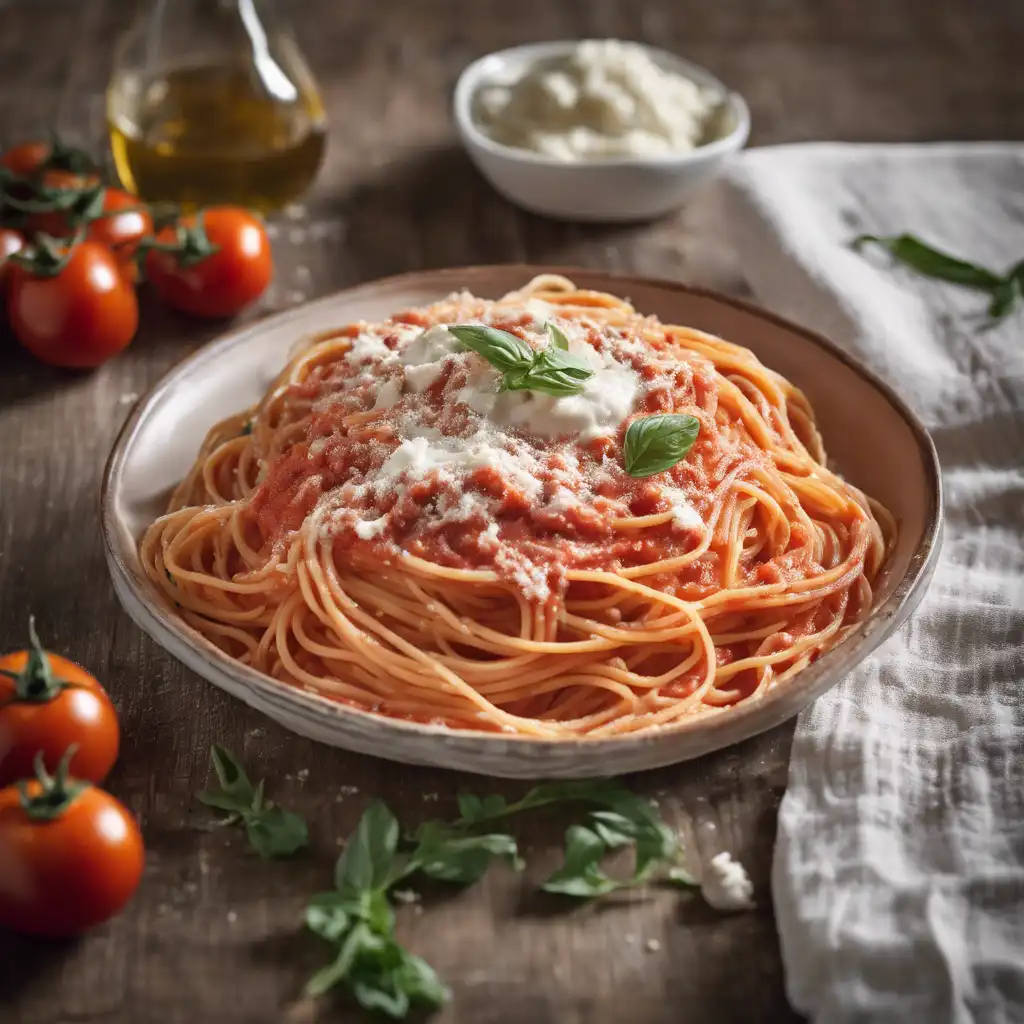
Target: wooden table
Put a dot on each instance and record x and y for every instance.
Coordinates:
(214, 934)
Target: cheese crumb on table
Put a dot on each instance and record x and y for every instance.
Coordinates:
(726, 885)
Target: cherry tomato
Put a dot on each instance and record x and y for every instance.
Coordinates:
(224, 282)
(10, 243)
(26, 159)
(78, 317)
(48, 704)
(68, 179)
(71, 857)
(124, 223)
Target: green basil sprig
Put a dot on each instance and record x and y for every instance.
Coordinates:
(552, 370)
(1005, 290)
(656, 443)
(357, 918)
(271, 831)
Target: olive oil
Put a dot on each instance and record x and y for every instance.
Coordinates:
(205, 134)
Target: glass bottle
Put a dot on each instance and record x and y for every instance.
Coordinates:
(210, 101)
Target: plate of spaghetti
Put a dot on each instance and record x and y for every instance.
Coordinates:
(512, 521)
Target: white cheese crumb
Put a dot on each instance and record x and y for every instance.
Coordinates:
(390, 392)
(366, 347)
(653, 945)
(368, 528)
(684, 515)
(726, 885)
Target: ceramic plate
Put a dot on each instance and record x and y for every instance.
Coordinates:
(870, 434)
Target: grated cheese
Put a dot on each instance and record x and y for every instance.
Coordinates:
(726, 886)
(684, 515)
(368, 528)
(603, 99)
(607, 399)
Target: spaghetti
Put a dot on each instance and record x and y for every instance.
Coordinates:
(390, 529)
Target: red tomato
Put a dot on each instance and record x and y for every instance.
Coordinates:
(29, 158)
(10, 243)
(48, 703)
(68, 179)
(124, 223)
(26, 159)
(79, 317)
(69, 861)
(224, 282)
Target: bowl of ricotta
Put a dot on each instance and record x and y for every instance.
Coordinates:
(596, 130)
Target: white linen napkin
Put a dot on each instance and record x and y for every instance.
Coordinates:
(898, 878)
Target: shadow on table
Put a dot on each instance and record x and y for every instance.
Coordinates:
(433, 209)
(26, 962)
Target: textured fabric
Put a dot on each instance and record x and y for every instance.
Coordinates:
(898, 878)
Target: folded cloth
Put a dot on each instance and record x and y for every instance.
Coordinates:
(898, 877)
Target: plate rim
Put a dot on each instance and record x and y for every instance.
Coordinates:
(745, 721)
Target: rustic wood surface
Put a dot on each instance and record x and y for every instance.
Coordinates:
(214, 933)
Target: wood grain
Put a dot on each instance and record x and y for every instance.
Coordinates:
(214, 933)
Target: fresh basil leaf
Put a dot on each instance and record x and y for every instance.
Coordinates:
(224, 802)
(369, 856)
(382, 995)
(338, 971)
(555, 359)
(515, 379)
(614, 829)
(656, 443)
(392, 979)
(421, 982)
(932, 262)
(230, 773)
(377, 912)
(474, 808)
(558, 339)
(328, 917)
(450, 855)
(580, 874)
(551, 382)
(606, 792)
(655, 844)
(273, 832)
(504, 351)
(1005, 298)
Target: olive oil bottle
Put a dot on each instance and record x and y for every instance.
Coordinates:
(211, 102)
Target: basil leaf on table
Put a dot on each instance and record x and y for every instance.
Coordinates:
(932, 262)
(369, 857)
(358, 921)
(656, 443)
(1006, 290)
(581, 874)
(451, 855)
(271, 831)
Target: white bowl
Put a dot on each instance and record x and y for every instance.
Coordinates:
(858, 416)
(614, 190)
